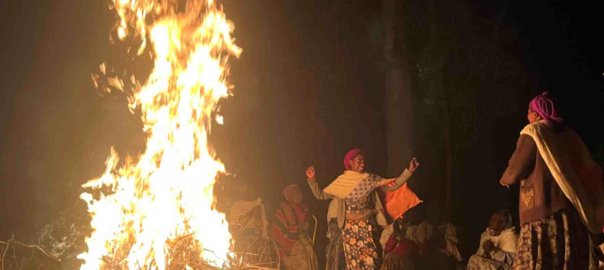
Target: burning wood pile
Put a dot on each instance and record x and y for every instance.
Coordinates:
(157, 210)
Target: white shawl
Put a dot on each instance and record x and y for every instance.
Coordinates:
(345, 183)
(571, 165)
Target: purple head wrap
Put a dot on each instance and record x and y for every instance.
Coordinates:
(544, 106)
(349, 156)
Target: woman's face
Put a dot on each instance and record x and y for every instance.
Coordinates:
(532, 116)
(357, 163)
(496, 224)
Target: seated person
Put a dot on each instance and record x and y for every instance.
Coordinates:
(497, 244)
(247, 216)
(289, 230)
(439, 258)
(399, 251)
(420, 230)
(249, 227)
(449, 231)
(432, 243)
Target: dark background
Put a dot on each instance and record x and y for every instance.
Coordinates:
(309, 86)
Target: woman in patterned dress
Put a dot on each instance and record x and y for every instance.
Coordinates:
(359, 209)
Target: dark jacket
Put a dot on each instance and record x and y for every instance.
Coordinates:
(540, 195)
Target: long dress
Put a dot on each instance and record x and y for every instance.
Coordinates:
(360, 249)
(335, 248)
(289, 231)
(359, 212)
(558, 241)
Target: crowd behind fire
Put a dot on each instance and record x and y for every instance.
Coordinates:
(380, 223)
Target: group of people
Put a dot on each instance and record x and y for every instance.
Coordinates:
(268, 243)
(371, 222)
(356, 214)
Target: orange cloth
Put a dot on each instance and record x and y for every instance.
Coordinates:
(399, 201)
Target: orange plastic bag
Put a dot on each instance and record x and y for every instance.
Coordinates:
(399, 201)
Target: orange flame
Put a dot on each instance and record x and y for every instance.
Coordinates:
(167, 191)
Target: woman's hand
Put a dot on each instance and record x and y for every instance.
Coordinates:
(310, 173)
(413, 164)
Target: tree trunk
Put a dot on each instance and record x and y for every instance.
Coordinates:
(398, 110)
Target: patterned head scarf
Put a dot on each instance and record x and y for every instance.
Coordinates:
(544, 106)
(290, 191)
(349, 156)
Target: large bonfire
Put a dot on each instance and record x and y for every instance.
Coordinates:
(156, 210)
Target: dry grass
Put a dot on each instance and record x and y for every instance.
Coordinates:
(183, 253)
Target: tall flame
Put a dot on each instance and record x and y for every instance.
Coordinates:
(165, 193)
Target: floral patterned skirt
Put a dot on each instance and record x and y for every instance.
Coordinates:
(360, 250)
(559, 241)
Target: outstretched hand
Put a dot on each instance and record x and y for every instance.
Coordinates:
(413, 164)
(310, 173)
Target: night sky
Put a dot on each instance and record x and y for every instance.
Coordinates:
(308, 86)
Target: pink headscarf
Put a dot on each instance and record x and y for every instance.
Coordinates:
(544, 106)
(349, 156)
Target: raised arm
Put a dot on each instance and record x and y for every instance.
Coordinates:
(311, 179)
(522, 161)
(385, 184)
